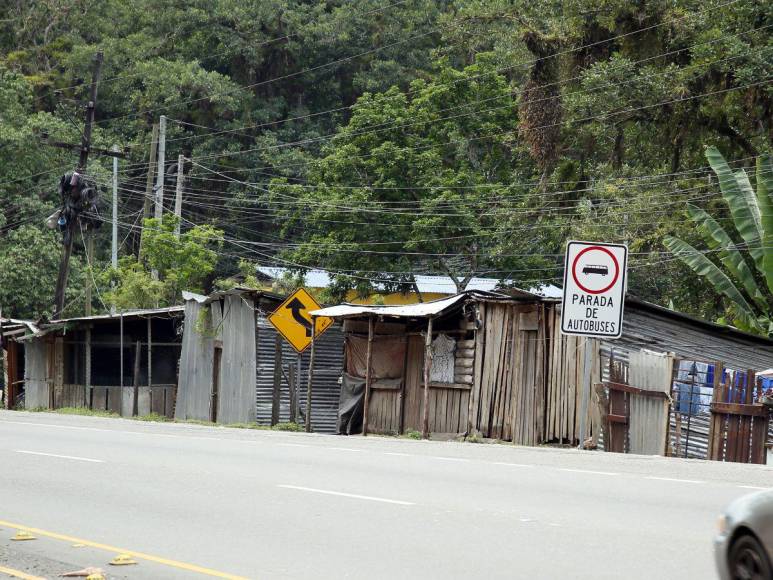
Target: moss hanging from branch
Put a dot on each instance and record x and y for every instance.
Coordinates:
(540, 107)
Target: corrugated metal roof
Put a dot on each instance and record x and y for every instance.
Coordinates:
(168, 310)
(422, 309)
(238, 290)
(644, 327)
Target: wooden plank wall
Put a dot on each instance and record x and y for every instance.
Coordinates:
(448, 407)
(739, 435)
(508, 395)
(158, 399)
(564, 381)
(384, 409)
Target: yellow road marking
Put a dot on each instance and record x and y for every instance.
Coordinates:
(18, 574)
(140, 555)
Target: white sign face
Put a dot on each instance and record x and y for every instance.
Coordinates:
(594, 289)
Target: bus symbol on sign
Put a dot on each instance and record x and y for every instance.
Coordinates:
(595, 269)
(594, 289)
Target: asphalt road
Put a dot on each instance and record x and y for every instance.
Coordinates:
(189, 501)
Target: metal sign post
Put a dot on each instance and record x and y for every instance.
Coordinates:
(594, 289)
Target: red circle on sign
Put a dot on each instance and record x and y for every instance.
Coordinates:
(614, 279)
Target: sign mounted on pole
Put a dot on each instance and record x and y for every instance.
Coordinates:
(594, 289)
(293, 322)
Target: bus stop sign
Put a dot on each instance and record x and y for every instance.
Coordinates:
(594, 289)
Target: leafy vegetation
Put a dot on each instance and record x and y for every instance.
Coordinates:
(744, 274)
(380, 140)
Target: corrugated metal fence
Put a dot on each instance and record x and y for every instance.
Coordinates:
(326, 388)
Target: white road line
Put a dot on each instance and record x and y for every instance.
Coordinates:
(587, 471)
(60, 456)
(511, 464)
(674, 479)
(395, 454)
(293, 445)
(754, 487)
(342, 494)
(448, 458)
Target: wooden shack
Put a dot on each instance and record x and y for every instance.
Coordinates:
(477, 362)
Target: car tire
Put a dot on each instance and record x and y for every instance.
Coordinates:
(748, 561)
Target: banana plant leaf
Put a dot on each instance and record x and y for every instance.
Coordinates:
(743, 218)
(765, 203)
(718, 239)
(702, 266)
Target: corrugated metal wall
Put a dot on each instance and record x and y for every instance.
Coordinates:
(238, 364)
(326, 389)
(196, 359)
(36, 374)
(648, 421)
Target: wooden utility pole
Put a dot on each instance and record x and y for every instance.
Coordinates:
(427, 366)
(159, 209)
(149, 180)
(114, 236)
(64, 264)
(311, 375)
(178, 198)
(368, 373)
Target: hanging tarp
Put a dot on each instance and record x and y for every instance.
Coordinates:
(388, 357)
(350, 405)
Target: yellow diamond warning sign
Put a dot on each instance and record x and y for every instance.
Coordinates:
(292, 319)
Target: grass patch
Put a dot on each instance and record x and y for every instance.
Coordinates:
(411, 434)
(246, 426)
(152, 417)
(157, 418)
(82, 411)
(287, 427)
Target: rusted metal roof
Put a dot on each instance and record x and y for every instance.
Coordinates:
(423, 309)
(166, 311)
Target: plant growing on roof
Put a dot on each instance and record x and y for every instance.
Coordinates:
(744, 251)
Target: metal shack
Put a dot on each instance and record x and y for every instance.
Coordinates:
(125, 362)
(235, 368)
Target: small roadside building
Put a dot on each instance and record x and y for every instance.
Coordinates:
(496, 364)
(125, 362)
(235, 367)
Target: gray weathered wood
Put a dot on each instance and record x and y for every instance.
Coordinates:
(368, 378)
(427, 365)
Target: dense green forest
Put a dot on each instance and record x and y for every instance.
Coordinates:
(382, 139)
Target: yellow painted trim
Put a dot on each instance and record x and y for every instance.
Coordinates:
(140, 555)
(19, 574)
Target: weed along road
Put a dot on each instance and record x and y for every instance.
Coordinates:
(187, 501)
